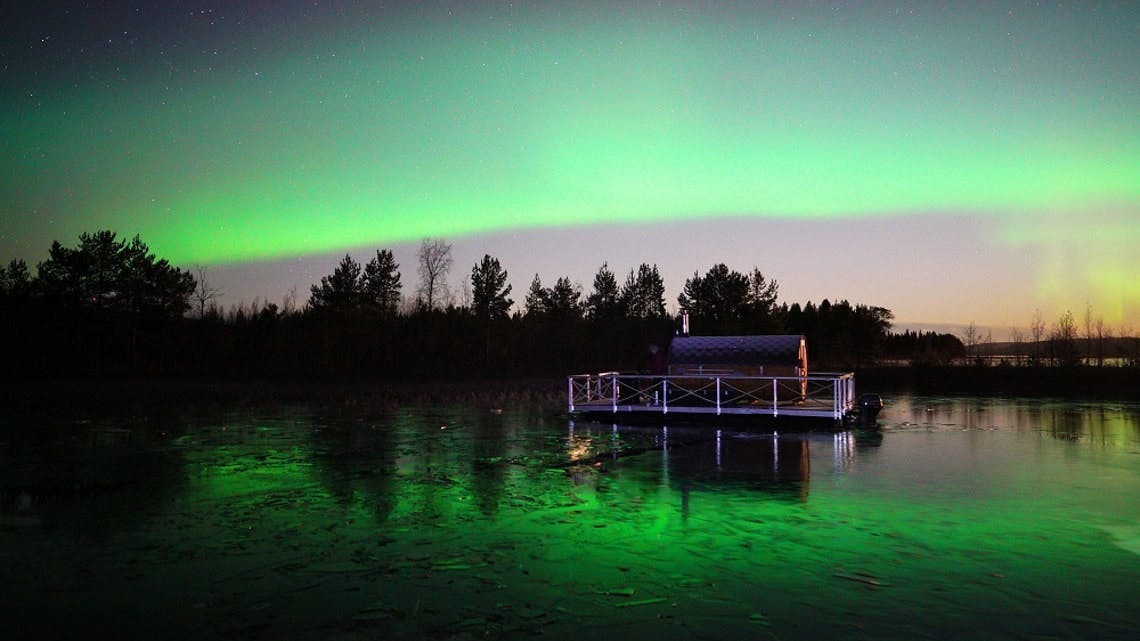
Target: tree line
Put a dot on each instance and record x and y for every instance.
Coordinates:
(109, 306)
(1062, 344)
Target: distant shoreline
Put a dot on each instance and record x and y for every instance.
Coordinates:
(1094, 383)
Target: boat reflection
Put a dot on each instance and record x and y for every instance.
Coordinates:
(709, 458)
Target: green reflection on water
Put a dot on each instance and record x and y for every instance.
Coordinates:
(994, 519)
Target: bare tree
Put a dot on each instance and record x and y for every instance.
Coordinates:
(971, 337)
(434, 264)
(1037, 330)
(1088, 333)
(204, 293)
(465, 294)
(1018, 339)
(1129, 346)
(408, 305)
(289, 302)
(1064, 341)
(1103, 334)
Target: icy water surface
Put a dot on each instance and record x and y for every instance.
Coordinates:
(962, 519)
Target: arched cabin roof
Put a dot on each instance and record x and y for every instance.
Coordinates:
(753, 350)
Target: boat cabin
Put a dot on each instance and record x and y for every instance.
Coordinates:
(757, 355)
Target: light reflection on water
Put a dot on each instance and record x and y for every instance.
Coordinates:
(963, 518)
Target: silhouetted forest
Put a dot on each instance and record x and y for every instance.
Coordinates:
(109, 307)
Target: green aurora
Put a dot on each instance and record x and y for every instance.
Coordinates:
(393, 127)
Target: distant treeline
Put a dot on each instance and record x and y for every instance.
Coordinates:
(109, 307)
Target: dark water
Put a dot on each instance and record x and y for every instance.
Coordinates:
(963, 519)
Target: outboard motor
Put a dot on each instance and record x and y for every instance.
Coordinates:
(869, 406)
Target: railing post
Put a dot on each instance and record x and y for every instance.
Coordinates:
(835, 398)
(665, 395)
(614, 389)
(570, 391)
(718, 396)
(775, 397)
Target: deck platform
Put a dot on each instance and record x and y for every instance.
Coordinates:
(819, 396)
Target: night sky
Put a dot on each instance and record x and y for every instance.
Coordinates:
(954, 161)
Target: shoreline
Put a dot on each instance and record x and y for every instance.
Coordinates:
(90, 395)
(1092, 383)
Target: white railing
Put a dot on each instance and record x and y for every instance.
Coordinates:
(821, 394)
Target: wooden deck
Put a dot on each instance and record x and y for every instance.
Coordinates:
(819, 396)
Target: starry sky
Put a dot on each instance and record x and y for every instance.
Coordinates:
(951, 161)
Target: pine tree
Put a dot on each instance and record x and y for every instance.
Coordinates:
(604, 303)
(536, 298)
(643, 294)
(564, 300)
(340, 291)
(380, 283)
(106, 273)
(489, 289)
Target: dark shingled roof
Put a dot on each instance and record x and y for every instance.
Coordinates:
(774, 349)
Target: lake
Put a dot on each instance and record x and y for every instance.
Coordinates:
(961, 518)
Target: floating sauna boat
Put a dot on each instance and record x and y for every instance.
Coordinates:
(756, 375)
